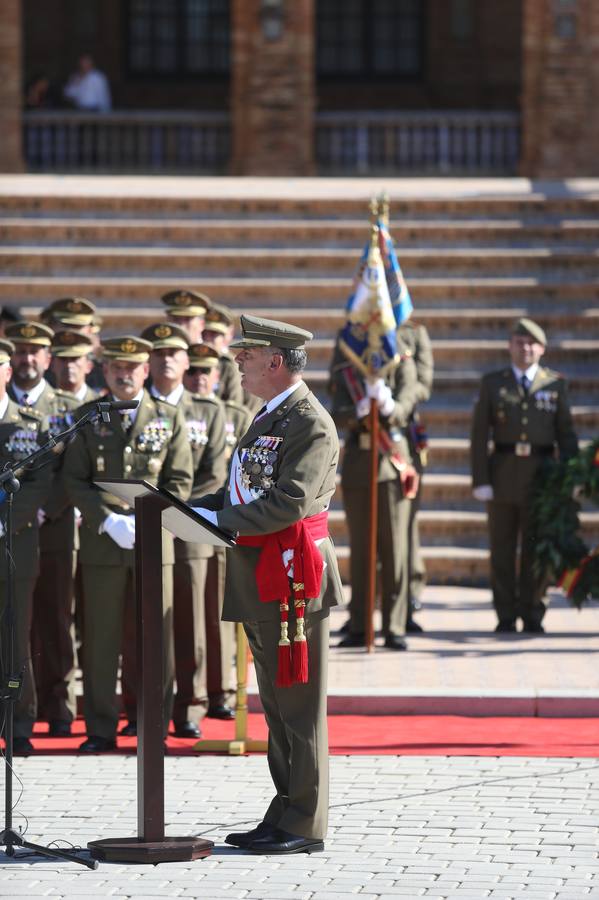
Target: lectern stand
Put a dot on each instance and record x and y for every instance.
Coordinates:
(154, 509)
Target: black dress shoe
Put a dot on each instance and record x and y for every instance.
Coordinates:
(220, 712)
(505, 628)
(129, 730)
(97, 744)
(395, 642)
(280, 841)
(533, 628)
(186, 730)
(22, 746)
(59, 728)
(352, 640)
(413, 627)
(244, 838)
(346, 627)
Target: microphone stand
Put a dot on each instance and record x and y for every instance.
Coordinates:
(11, 682)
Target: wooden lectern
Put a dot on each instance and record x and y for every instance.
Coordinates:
(154, 509)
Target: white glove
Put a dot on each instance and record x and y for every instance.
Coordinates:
(363, 407)
(78, 516)
(483, 492)
(381, 392)
(121, 529)
(207, 514)
(41, 517)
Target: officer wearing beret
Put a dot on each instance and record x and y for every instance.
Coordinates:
(282, 578)
(52, 631)
(396, 481)
(187, 309)
(29, 387)
(149, 442)
(202, 379)
(22, 431)
(524, 409)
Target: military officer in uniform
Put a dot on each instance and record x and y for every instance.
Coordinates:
(282, 578)
(217, 327)
(202, 379)
(205, 423)
(76, 314)
(524, 409)
(187, 309)
(149, 442)
(415, 337)
(396, 483)
(21, 433)
(53, 594)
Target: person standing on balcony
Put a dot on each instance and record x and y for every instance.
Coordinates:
(87, 88)
(524, 408)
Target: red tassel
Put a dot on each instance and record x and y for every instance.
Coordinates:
(284, 667)
(300, 661)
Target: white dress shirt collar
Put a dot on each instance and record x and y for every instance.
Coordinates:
(530, 373)
(174, 396)
(33, 394)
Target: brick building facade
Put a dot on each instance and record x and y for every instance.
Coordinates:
(274, 65)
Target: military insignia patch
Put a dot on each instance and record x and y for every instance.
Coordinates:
(258, 464)
(154, 436)
(197, 432)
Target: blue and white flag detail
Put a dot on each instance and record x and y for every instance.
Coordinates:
(396, 284)
(368, 337)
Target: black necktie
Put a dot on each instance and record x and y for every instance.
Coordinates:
(525, 384)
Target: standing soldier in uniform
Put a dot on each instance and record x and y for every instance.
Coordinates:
(282, 578)
(415, 338)
(396, 480)
(187, 309)
(76, 314)
(201, 379)
(204, 419)
(21, 434)
(524, 409)
(54, 588)
(149, 442)
(217, 327)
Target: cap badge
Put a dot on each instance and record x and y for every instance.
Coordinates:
(128, 346)
(28, 331)
(163, 331)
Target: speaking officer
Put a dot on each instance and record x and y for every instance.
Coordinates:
(282, 578)
(415, 337)
(29, 387)
(52, 631)
(524, 409)
(21, 433)
(151, 443)
(205, 423)
(187, 309)
(350, 409)
(201, 379)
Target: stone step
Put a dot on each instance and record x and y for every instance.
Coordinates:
(329, 232)
(444, 565)
(154, 198)
(239, 262)
(309, 293)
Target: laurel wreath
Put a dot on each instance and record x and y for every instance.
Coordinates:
(560, 553)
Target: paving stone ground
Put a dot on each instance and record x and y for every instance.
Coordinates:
(430, 827)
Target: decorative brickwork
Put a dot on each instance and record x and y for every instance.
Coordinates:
(272, 87)
(10, 86)
(561, 88)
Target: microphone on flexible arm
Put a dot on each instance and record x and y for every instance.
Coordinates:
(104, 407)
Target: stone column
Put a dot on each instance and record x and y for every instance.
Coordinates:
(272, 87)
(11, 98)
(560, 97)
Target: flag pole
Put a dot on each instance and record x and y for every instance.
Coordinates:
(374, 477)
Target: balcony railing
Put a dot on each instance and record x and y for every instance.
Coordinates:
(436, 143)
(129, 141)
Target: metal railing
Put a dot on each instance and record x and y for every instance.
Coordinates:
(443, 142)
(128, 141)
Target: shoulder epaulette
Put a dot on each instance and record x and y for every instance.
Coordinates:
(233, 404)
(214, 400)
(31, 413)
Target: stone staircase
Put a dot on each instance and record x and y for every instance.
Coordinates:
(472, 265)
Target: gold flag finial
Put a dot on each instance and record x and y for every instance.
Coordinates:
(384, 208)
(374, 253)
(374, 210)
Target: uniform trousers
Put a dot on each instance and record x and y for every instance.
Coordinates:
(415, 562)
(392, 547)
(109, 598)
(191, 699)
(52, 636)
(220, 636)
(298, 750)
(515, 593)
(25, 709)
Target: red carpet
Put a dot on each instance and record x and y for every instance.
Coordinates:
(400, 736)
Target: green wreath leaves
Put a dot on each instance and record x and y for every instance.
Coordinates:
(560, 553)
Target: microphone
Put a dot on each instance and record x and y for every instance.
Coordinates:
(105, 406)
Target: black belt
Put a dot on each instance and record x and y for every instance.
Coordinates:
(529, 449)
